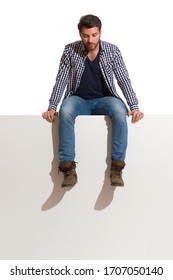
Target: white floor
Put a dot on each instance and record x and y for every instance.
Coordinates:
(39, 220)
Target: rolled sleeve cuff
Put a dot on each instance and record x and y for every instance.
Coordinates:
(52, 107)
(134, 107)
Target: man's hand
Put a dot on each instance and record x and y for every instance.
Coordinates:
(49, 115)
(136, 115)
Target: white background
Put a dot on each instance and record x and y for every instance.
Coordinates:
(33, 35)
(34, 32)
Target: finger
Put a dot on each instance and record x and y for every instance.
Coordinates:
(135, 118)
(47, 117)
(142, 115)
(53, 114)
(129, 114)
(138, 117)
(51, 118)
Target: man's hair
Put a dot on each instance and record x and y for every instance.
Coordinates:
(89, 21)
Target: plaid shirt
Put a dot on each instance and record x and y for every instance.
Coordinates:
(72, 65)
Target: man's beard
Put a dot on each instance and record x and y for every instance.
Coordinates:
(91, 46)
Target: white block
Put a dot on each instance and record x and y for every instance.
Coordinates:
(39, 220)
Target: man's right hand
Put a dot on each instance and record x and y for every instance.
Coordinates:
(49, 115)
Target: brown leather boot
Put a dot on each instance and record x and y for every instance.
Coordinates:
(70, 175)
(116, 173)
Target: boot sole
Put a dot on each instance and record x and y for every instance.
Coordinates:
(68, 185)
(117, 185)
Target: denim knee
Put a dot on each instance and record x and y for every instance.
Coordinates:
(119, 115)
(66, 112)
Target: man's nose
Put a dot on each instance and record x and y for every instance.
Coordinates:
(90, 39)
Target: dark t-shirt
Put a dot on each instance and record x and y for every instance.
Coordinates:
(92, 84)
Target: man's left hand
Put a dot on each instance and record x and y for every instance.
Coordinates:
(136, 115)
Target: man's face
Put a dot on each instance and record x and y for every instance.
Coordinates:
(90, 38)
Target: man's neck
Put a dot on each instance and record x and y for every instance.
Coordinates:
(92, 54)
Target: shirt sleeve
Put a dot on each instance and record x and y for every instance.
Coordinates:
(61, 80)
(124, 82)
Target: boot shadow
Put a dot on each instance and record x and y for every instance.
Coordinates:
(58, 192)
(106, 194)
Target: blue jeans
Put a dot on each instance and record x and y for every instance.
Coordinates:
(73, 106)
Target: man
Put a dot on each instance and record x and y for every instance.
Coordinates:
(87, 70)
